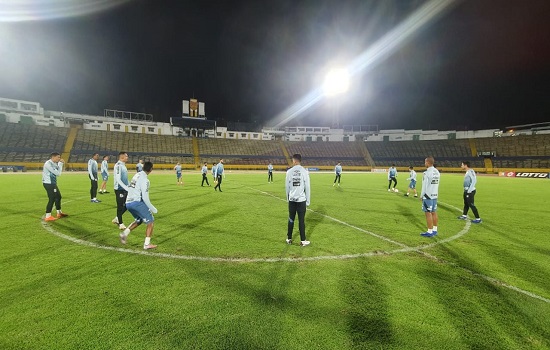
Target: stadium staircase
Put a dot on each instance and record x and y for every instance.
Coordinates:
(71, 137)
(285, 152)
(473, 147)
(366, 154)
(196, 151)
(487, 161)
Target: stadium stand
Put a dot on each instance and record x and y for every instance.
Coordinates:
(156, 148)
(523, 151)
(30, 143)
(241, 152)
(328, 153)
(447, 153)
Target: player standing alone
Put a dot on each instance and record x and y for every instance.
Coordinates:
(298, 195)
(470, 180)
(177, 168)
(429, 194)
(338, 172)
(412, 184)
(204, 172)
(218, 173)
(104, 174)
(92, 173)
(392, 177)
(269, 173)
(140, 206)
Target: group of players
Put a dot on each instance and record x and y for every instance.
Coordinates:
(133, 195)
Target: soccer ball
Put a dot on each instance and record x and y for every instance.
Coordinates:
(396, 190)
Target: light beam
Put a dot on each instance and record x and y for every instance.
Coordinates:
(373, 55)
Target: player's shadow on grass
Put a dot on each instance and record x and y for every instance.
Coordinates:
(313, 219)
(458, 292)
(485, 226)
(416, 218)
(367, 314)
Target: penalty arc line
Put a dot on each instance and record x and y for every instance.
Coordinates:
(420, 249)
(404, 248)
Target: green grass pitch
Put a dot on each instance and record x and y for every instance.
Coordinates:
(223, 277)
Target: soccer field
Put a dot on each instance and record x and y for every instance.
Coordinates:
(223, 277)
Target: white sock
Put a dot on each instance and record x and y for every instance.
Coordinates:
(435, 228)
(147, 241)
(48, 215)
(126, 231)
(59, 211)
(430, 230)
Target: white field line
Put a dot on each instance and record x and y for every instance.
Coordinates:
(404, 248)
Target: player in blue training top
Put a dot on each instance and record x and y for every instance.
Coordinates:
(92, 174)
(218, 173)
(470, 180)
(204, 172)
(121, 188)
(392, 177)
(429, 195)
(214, 172)
(140, 206)
(139, 165)
(177, 168)
(104, 174)
(412, 184)
(269, 173)
(53, 168)
(338, 172)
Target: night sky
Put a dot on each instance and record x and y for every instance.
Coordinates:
(483, 64)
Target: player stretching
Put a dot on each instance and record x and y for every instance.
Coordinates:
(140, 206)
(121, 188)
(412, 184)
(51, 170)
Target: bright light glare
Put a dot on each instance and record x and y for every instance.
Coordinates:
(35, 10)
(373, 55)
(336, 82)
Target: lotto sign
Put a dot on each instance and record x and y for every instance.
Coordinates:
(532, 175)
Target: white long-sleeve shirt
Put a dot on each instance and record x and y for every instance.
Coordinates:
(470, 180)
(121, 176)
(138, 191)
(105, 167)
(92, 169)
(430, 183)
(50, 172)
(297, 185)
(412, 175)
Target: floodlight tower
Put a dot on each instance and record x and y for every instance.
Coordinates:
(336, 83)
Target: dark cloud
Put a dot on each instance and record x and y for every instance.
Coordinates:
(484, 64)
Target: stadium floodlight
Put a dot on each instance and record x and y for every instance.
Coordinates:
(336, 82)
(373, 55)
